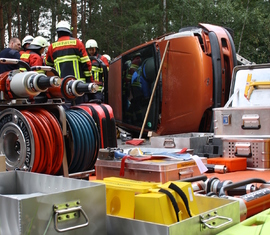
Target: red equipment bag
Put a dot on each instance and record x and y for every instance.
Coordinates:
(104, 117)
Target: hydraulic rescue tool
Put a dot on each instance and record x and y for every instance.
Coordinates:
(15, 84)
(252, 202)
(70, 87)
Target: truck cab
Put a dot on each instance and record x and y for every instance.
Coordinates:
(194, 77)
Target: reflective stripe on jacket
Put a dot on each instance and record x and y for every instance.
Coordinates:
(33, 59)
(98, 62)
(69, 57)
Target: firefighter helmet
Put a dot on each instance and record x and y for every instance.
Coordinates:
(27, 39)
(91, 43)
(38, 42)
(107, 57)
(63, 26)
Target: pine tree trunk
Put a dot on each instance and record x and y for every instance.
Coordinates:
(83, 12)
(2, 30)
(9, 20)
(19, 21)
(74, 17)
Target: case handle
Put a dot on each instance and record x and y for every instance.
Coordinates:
(68, 213)
(210, 218)
(169, 143)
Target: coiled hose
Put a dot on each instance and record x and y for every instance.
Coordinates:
(83, 139)
(48, 139)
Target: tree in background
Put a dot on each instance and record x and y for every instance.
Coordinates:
(118, 25)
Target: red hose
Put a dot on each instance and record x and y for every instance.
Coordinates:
(45, 142)
(57, 140)
(48, 139)
(37, 144)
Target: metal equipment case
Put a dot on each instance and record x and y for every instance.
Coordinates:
(246, 114)
(34, 203)
(153, 171)
(216, 214)
(257, 151)
(193, 140)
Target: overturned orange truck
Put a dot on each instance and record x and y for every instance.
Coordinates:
(183, 80)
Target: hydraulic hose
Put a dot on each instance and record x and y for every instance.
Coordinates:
(87, 139)
(58, 152)
(96, 138)
(46, 145)
(83, 133)
(48, 139)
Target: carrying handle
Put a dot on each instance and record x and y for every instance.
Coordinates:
(77, 209)
(205, 221)
(242, 155)
(251, 128)
(169, 143)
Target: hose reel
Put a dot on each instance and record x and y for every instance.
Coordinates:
(32, 140)
(18, 140)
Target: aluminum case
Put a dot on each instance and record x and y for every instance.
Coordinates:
(216, 214)
(193, 140)
(34, 203)
(247, 111)
(257, 151)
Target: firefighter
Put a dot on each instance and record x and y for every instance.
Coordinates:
(33, 54)
(26, 42)
(69, 57)
(100, 67)
(108, 58)
(12, 52)
(127, 94)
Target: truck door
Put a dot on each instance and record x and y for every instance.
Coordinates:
(115, 88)
(131, 80)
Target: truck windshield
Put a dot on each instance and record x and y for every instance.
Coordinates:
(139, 71)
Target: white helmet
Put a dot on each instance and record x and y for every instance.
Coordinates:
(38, 42)
(27, 39)
(63, 26)
(107, 57)
(91, 43)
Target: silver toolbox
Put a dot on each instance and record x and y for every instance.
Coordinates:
(246, 114)
(32, 203)
(193, 140)
(242, 122)
(216, 215)
(257, 151)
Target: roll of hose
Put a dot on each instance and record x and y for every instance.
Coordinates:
(84, 140)
(48, 138)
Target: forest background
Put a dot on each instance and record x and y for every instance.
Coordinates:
(119, 25)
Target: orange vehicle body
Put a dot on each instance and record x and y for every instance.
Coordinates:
(195, 77)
